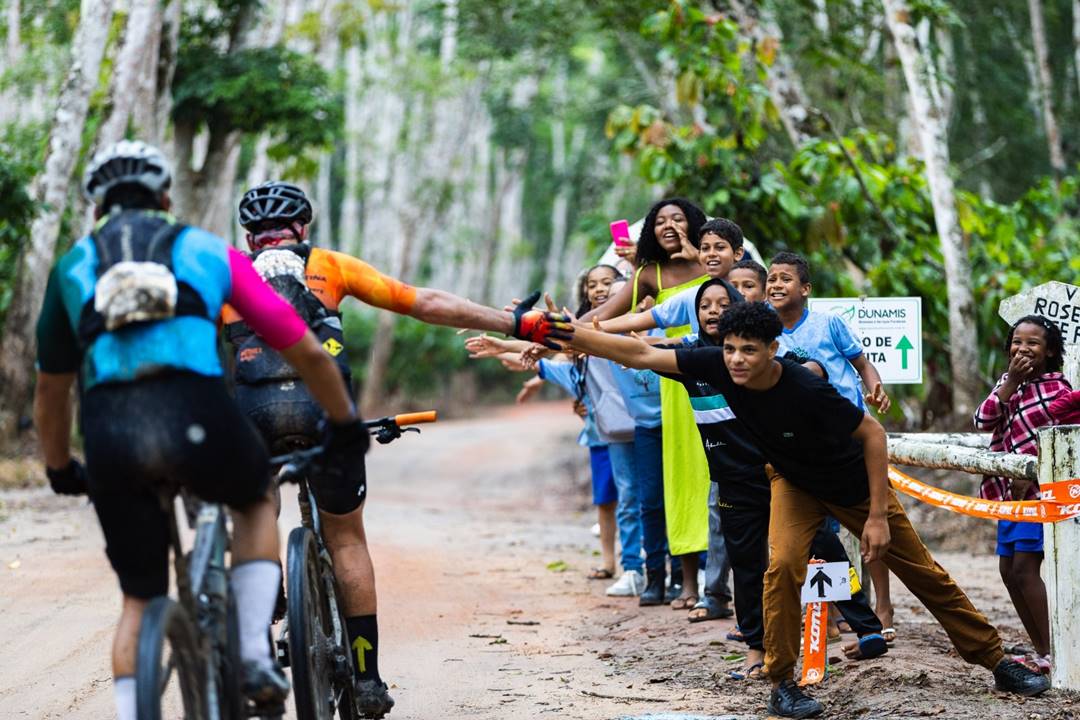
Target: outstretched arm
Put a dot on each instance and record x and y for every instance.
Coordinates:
(439, 307)
(633, 322)
(630, 351)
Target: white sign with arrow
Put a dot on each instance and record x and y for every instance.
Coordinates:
(827, 582)
(890, 330)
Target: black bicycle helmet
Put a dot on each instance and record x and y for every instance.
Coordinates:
(274, 202)
(128, 162)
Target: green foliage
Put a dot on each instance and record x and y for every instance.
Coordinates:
(16, 213)
(858, 209)
(272, 90)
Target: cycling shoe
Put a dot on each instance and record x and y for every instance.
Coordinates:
(265, 683)
(373, 699)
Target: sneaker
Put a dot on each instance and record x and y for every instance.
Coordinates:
(373, 699)
(265, 683)
(595, 529)
(629, 585)
(1011, 676)
(653, 594)
(788, 700)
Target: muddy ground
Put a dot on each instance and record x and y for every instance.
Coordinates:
(480, 533)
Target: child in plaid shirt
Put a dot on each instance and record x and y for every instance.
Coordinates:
(1014, 411)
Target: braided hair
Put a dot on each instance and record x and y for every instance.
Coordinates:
(649, 249)
(1055, 342)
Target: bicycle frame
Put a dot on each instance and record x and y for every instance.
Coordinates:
(202, 581)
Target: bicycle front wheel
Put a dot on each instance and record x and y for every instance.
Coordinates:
(321, 674)
(169, 668)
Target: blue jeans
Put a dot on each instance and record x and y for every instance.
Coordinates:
(717, 565)
(628, 509)
(649, 461)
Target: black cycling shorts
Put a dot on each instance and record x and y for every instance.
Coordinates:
(179, 429)
(288, 417)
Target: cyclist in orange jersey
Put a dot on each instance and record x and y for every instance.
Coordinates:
(315, 281)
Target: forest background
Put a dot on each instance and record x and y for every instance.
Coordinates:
(907, 147)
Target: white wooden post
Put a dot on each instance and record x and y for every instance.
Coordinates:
(1059, 459)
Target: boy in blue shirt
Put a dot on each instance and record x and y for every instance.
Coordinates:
(824, 337)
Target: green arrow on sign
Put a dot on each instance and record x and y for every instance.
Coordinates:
(903, 346)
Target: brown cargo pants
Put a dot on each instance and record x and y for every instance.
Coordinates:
(795, 516)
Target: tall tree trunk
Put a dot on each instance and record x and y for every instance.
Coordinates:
(757, 21)
(128, 87)
(1046, 86)
(349, 227)
(166, 66)
(1030, 65)
(930, 126)
(14, 43)
(17, 350)
(1076, 37)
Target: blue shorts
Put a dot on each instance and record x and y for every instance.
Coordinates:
(1014, 537)
(603, 480)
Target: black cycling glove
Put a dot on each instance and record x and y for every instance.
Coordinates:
(69, 480)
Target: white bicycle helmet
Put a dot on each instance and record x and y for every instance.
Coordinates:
(128, 162)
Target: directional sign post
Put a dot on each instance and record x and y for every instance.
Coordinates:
(827, 582)
(890, 330)
(1059, 459)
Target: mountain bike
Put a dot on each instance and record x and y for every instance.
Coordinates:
(313, 639)
(188, 653)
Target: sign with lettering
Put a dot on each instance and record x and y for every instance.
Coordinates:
(1054, 300)
(890, 330)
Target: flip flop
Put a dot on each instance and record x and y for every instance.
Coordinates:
(751, 673)
(600, 574)
(736, 635)
(872, 646)
(713, 610)
(889, 634)
(684, 603)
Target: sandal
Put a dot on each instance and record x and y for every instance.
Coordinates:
(889, 634)
(714, 610)
(684, 603)
(867, 648)
(753, 672)
(736, 635)
(598, 573)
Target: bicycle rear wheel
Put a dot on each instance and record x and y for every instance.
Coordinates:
(169, 668)
(322, 676)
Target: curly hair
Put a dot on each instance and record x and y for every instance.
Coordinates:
(752, 321)
(1055, 342)
(649, 249)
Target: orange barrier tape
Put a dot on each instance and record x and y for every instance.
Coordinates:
(1063, 504)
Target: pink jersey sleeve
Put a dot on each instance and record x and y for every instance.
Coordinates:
(272, 318)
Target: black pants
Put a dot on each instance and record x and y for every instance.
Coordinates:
(746, 534)
(179, 429)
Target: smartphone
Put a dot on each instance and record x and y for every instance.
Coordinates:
(620, 233)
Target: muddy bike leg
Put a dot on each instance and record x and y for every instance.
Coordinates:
(318, 656)
(170, 680)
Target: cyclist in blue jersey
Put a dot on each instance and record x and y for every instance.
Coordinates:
(130, 313)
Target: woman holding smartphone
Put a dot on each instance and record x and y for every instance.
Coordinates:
(670, 507)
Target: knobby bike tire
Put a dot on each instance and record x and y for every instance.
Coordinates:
(232, 702)
(166, 625)
(311, 635)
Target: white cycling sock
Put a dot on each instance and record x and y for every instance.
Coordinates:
(124, 692)
(255, 585)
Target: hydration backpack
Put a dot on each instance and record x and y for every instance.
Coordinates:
(284, 269)
(135, 280)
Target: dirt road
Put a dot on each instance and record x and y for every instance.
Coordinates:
(464, 523)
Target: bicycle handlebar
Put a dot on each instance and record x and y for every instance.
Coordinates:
(385, 429)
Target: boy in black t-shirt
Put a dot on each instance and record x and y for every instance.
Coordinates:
(737, 468)
(826, 457)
